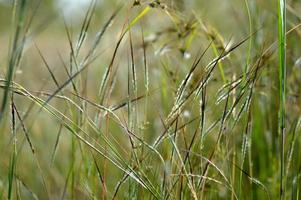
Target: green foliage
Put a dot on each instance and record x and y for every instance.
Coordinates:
(151, 99)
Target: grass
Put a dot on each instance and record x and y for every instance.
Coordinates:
(151, 100)
(282, 81)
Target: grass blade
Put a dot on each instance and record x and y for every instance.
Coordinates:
(282, 87)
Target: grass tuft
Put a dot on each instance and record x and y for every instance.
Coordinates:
(149, 99)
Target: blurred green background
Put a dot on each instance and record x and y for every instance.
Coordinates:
(168, 38)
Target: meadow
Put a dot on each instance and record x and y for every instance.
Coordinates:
(150, 99)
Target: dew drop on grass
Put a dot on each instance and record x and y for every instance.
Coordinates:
(187, 55)
(186, 114)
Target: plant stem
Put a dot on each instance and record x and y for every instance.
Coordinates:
(282, 80)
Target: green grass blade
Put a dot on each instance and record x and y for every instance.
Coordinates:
(282, 85)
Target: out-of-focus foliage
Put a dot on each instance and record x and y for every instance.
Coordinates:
(149, 99)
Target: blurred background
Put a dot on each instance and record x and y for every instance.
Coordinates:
(167, 39)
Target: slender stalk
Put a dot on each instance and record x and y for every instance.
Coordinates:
(282, 81)
(250, 40)
(12, 163)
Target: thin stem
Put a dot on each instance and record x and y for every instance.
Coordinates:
(282, 81)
